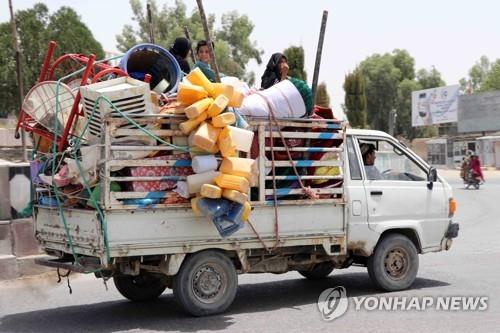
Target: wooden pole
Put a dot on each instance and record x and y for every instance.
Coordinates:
(204, 22)
(186, 32)
(319, 51)
(150, 25)
(19, 75)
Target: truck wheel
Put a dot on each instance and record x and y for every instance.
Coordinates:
(394, 264)
(206, 283)
(319, 271)
(140, 288)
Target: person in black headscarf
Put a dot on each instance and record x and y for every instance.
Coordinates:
(276, 71)
(180, 50)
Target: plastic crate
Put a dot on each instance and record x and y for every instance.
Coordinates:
(130, 96)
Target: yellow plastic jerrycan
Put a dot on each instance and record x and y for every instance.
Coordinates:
(226, 144)
(197, 108)
(235, 196)
(247, 208)
(197, 77)
(232, 182)
(188, 126)
(223, 89)
(224, 119)
(217, 106)
(206, 136)
(210, 191)
(237, 166)
(188, 94)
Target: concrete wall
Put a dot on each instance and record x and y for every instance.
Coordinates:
(8, 139)
(479, 112)
(18, 247)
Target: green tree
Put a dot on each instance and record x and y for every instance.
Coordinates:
(492, 78)
(403, 111)
(405, 63)
(233, 47)
(430, 78)
(35, 28)
(477, 74)
(295, 58)
(355, 99)
(382, 81)
(390, 79)
(322, 97)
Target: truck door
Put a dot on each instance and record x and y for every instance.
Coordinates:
(355, 192)
(396, 189)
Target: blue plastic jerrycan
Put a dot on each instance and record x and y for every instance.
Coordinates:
(213, 207)
(225, 214)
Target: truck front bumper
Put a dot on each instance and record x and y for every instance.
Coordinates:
(451, 232)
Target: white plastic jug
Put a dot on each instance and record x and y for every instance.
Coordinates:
(197, 180)
(241, 138)
(204, 163)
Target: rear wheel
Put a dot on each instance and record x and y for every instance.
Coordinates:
(143, 287)
(206, 283)
(394, 263)
(319, 271)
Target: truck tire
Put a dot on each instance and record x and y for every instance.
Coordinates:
(140, 288)
(206, 283)
(394, 264)
(319, 271)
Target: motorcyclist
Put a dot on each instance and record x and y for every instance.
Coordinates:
(475, 166)
(464, 168)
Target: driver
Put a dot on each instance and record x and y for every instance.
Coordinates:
(368, 153)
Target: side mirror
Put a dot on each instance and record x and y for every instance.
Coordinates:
(431, 177)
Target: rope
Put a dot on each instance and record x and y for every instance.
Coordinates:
(307, 190)
(76, 147)
(272, 118)
(56, 190)
(259, 238)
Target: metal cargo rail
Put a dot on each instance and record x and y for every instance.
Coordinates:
(315, 137)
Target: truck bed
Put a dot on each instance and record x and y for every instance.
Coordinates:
(177, 230)
(167, 228)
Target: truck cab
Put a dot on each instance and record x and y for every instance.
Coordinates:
(403, 200)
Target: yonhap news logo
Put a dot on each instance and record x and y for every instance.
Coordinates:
(333, 303)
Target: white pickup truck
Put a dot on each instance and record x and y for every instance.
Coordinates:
(382, 223)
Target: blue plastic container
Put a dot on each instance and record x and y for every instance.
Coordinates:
(152, 59)
(48, 201)
(225, 214)
(213, 208)
(230, 222)
(142, 203)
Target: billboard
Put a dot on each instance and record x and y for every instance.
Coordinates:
(434, 106)
(479, 112)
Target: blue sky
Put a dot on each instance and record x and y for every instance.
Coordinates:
(450, 35)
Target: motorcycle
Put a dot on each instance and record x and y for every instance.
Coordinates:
(472, 179)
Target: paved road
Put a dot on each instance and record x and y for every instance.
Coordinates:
(287, 303)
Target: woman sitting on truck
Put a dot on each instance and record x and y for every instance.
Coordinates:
(203, 55)
(180, 50)
(276, 71)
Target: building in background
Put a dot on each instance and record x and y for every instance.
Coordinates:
(468, 124)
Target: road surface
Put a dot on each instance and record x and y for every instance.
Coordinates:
(288, 302)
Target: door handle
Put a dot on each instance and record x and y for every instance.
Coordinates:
(376, 192)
